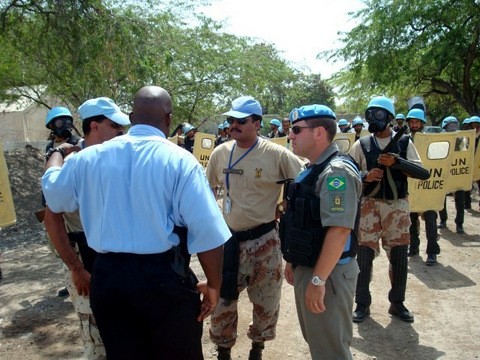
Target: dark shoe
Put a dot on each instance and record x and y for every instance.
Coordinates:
(398, 309)
(224, 353)
(256, 351)
(431, 259)
(460, 229)
(442, 225)
(360, 313)
(62, 292)
(413, 251)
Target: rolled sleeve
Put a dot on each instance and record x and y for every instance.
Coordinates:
(58, 189)
(200, 214)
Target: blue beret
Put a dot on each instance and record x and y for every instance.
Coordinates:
(311, 112)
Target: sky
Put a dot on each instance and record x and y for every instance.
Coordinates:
(299, 29)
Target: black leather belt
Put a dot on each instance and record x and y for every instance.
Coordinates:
(255, 232)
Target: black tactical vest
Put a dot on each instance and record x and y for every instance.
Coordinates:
(301, 231)
(371, 152)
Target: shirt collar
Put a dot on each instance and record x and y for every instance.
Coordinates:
(328, 151)
(145, 130)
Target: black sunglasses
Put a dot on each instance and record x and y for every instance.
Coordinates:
(297, 129)
(241, 121)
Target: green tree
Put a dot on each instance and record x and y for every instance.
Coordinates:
(431, 47)
(80, 49)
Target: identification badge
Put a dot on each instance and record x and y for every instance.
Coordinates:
(228, 205)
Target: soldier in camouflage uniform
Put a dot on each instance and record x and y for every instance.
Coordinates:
(249, 169)
(384, 207)
(66, 231)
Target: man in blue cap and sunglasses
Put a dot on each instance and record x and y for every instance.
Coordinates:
(251, 170)
(318, 237)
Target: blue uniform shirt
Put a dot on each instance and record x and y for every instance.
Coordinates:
(132, 190)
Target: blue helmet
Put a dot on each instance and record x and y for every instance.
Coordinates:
(400, 117)
(276, 122)
(220, 126)
(417, 114)
(226, 125)
(357, 121)
(448, 120)
(57, 112)
(342, 122)
(187, 127)
(474, 119)
(382, 102)
(466, 121)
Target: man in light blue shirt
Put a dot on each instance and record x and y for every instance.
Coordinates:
(133, 193)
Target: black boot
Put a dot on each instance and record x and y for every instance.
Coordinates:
(396, 296)
(414, 234)
(363, 298)
(256, 351)
(224, 353)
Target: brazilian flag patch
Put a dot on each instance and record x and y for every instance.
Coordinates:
(336, 183)
(337, 202)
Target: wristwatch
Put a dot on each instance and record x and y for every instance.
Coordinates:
(52, 150)
(317, 281)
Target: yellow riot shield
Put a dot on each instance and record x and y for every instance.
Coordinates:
(344, 141)
(364, 132)
(460, 174)
(7, 210)
(476, 163)
(177, 139)
(282, 141)
(203, 147)
(434, 151)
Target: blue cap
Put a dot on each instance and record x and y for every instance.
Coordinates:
(474, 119)
(103, 106)
(342, 122)
(276, 122)
(314, 111)
(418, 114)
(400, 117)
(57, 112)
(244, 106)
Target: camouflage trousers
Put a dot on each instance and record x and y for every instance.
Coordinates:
(260, 272)
(93, 345)
(388, 220)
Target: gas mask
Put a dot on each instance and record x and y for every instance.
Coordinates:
(377, 119)
(61, 126)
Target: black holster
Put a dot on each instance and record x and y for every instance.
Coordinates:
(181, 257)
(231, 255)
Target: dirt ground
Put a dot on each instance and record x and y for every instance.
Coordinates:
(37, 324)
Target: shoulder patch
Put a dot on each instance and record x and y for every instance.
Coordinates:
(337, 202)
(336, 183)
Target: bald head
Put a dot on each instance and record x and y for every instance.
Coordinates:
(152, 105)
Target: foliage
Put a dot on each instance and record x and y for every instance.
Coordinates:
(80, 49)
(431, 47)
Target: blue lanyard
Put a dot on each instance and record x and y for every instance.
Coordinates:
(230, 165)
